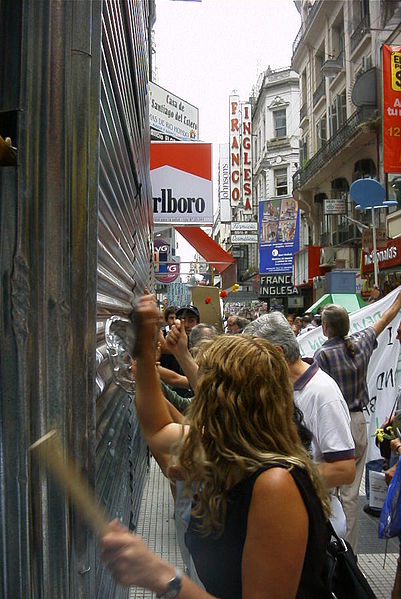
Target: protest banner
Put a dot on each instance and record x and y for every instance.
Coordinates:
(383, 365)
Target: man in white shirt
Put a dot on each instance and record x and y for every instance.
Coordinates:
(325, 412)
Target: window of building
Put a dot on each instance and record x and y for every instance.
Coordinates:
(338, 113)
(280, 182)
(280, 123)
(303, 151)
(321, 132)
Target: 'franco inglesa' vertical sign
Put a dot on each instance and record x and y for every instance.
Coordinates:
(240, 154)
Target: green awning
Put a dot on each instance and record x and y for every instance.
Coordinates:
(350, 301)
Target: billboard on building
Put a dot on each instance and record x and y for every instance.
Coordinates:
(391, 109)
(278, 235)
(171, 117)
(181, 176)
(240, 154)
(167, 268)
(224, 183)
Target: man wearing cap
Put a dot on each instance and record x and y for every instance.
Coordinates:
(190, 316)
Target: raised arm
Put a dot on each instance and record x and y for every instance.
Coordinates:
(388, 315)
(153, 415)
(177, 343)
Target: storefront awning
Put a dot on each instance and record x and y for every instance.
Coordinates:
(350, 301)
(207, 248)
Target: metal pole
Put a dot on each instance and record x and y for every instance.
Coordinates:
(375, 263)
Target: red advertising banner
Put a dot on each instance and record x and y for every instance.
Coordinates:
(392, 109)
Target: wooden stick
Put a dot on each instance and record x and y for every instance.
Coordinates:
(49, 451)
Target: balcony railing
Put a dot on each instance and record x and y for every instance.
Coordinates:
(345, 234)
(305, 25)
(360, 31)
(319, 92)
(333, 145)
(302, 112)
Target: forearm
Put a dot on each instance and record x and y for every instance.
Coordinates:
(175, 414)
(150, 402)
(387, 317)
(173, 378)
(132, 563)
(338, 473)
(189, 367)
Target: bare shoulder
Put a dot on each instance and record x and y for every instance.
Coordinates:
(276, 505)
(275, 480)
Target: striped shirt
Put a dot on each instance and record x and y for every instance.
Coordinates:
(349, 373)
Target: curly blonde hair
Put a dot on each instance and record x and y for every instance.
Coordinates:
(240, 419)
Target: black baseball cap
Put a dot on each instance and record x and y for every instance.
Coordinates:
(192, 309)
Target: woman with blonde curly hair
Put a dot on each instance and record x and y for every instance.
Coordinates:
(258, 523)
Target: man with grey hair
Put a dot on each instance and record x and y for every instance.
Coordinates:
(325, 412)
(200, 333)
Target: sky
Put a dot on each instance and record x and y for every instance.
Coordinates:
(207, 49)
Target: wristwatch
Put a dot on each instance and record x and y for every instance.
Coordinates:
(174, 586)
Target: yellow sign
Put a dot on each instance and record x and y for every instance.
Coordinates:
(396, 71)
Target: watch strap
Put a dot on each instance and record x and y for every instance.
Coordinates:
(174, 586)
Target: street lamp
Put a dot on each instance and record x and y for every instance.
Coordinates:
(369, 195)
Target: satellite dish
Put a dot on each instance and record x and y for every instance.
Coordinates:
(364, 92)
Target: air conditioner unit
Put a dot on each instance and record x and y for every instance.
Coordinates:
(327, 256)
(346, 254)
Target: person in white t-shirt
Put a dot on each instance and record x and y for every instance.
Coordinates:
(325, 411)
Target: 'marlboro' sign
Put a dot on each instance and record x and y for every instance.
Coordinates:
(181, 176)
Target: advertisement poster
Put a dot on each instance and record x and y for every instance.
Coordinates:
(166, 269)
(181, 176)
(392, 109)
(278, 234)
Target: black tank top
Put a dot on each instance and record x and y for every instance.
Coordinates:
(218, 561)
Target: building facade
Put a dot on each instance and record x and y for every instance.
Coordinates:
(275, 126)
(337, 53)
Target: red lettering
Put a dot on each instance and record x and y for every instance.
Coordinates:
(246, 112)
(235, 143)
(247, 204)
(234, 107)
(246, 128)
(234, 159)
(235, 194)
(246, 158)
(246, 142)
(235, 176)
(234, 125)
(247, 189)
(247, 174)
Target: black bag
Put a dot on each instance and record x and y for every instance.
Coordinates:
(345, 579)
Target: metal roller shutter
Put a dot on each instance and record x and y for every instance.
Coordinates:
(125, 260)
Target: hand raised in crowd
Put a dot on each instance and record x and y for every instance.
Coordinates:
(177, 339)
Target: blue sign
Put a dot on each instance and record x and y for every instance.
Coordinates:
(278, 235)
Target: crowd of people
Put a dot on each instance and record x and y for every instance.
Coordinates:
(238, 421)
